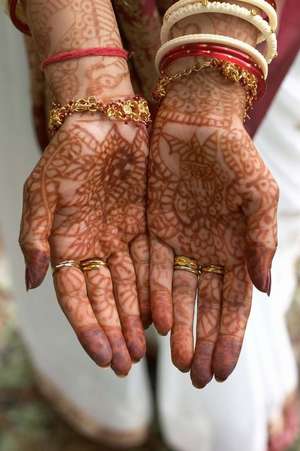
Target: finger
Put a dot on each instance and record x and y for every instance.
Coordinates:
(260, 207)
(182, 342)
(124, 285)
(161, 278)
(35, 228)
(72, 296)
(208, 321)
(236, 306)
(100, 293)
(139, 251)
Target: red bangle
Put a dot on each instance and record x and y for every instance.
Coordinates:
(220, 53)
(81, 53)
(23, 27)
(187, 50)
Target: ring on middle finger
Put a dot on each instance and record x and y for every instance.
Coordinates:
(92, 264)
(188, 264)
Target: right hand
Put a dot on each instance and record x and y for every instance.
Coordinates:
(86, 198)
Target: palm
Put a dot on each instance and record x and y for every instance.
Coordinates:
(213, 199)
(86, 199)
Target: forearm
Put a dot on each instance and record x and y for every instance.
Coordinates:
(59, 26)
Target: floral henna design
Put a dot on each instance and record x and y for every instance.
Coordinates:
(85, 199)
(212, 198)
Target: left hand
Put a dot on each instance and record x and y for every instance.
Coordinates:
(211, 198)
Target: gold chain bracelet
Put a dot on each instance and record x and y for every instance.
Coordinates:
(229, 70)
(135, 109)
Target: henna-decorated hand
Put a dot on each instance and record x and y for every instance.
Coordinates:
(86, 198)
(211, 197)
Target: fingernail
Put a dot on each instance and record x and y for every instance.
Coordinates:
(219, 380)
(269, 284)
(28, 280)
(36, 268)
(121, 376)
(259, 261)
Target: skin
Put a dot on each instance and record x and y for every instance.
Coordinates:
(86, 196)
(217, 203)
(237, 206)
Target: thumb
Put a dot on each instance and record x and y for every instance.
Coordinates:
(34, 233)
(261, 236)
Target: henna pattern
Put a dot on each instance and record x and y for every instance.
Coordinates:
(62, 25)
(212, 198)
(140, 24)
(86, 198)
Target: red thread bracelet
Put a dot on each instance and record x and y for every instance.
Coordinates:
(220, 53)
(23, 27)
(81, 53)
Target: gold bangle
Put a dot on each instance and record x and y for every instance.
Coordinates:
(135, 109)
(229, 70)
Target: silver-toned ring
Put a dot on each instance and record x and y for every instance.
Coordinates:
(66, 264)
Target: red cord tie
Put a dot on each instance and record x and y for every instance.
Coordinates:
(81, 53)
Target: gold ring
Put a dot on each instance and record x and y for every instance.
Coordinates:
(212, 269)
(66, 264)
(182, 263)
(92, 263)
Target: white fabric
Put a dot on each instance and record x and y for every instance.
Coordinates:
(224, 417)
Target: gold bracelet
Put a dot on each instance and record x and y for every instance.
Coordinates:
(135, 109)
(229, 70)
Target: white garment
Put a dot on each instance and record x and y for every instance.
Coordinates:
(224, 417)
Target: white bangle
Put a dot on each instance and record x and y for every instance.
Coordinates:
(257, 57)
(260, 4)
(223, 8)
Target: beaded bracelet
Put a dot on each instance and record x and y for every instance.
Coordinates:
(220, 53)
(230, 71)
(254, 54)
(134, 109)
(223, 8)
(268, 8)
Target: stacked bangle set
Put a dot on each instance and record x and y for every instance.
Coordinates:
(234, 59)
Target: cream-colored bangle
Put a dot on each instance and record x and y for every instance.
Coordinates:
(257, 57)
(223, 8)
(260, 4)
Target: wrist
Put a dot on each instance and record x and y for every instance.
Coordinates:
(207, 93)
(102, 77)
